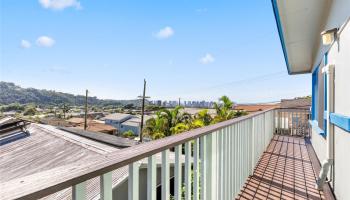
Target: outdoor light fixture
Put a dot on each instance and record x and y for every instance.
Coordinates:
(329, 36)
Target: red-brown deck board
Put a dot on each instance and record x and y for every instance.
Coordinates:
(284, 171)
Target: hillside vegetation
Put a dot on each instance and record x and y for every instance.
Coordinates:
(11, 93)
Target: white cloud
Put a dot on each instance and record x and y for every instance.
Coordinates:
(208, 58)
(45, 41)
(60, 4)
(25, 44)
(165, 33)
(201, 10)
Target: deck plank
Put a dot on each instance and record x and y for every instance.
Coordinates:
(284, 171)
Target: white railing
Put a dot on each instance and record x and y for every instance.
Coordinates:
(222, 158)
(292, 121)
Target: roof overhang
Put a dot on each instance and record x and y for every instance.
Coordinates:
(299, 25)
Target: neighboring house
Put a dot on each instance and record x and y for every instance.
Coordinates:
(315, 37)
(90, 115)
(54, 121)
(47, 149)
(76, 121)
(251, 108)
(92, 125)
(116, 120)
(132, 124)
(98, 127)
(302, 103)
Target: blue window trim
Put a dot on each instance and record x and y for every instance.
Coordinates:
(314, 125)
(314, 106)
(341, 121)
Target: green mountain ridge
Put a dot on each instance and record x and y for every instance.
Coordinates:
(11, 93)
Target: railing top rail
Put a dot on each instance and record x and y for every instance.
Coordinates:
(45, 183)
(294, 108)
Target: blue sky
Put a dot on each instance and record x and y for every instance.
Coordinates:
(189, 49)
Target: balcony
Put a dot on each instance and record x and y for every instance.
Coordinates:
(265, 155)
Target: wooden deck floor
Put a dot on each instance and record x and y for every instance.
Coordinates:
(284, 171)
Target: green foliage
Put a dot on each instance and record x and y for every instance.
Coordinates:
(129, 106)
(240, 113)
(12, 106)
(11, 93)
(204, 117)
(169, 122)
(129, 134)
(153, 107)
(223, 110)
(179, 128)
(29, 111)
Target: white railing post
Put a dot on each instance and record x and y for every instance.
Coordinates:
(151, 178)
(211, 166)
(229, 161)
(133, 181)
(196, 169)
(106, 189)
(221, 164)
(225, 167)
(253, 144)
(165, 175)
(177, 174)
(188, 189)
(203, 156)
(79, 191)
(235, 156)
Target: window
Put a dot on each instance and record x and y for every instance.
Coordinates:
(319, 97)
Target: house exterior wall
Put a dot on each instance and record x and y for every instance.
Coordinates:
(339, 56)
(319, 144)
(117, 123)
(135, 129)
(338, 13)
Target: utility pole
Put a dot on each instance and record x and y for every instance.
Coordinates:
(64, 111)
(86, 107)
(143, 97)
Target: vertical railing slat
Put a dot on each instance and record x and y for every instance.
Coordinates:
(79, 191)
(188, 189)
(106, 186)
(196, 169)
(133, 181)
(221, 161)
(165, 175)
(178, 174)
(203, 171)
(151, 178)
(211, 167)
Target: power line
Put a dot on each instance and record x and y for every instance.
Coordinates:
(263, 77)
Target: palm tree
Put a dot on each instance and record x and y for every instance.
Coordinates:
(156, 127)
(202, 116)
(223, 109)
(168, 122)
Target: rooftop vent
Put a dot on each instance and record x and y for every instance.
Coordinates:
(12, 130)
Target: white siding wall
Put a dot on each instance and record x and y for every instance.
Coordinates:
(319, 145)
(340, 56)
(338, 13)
